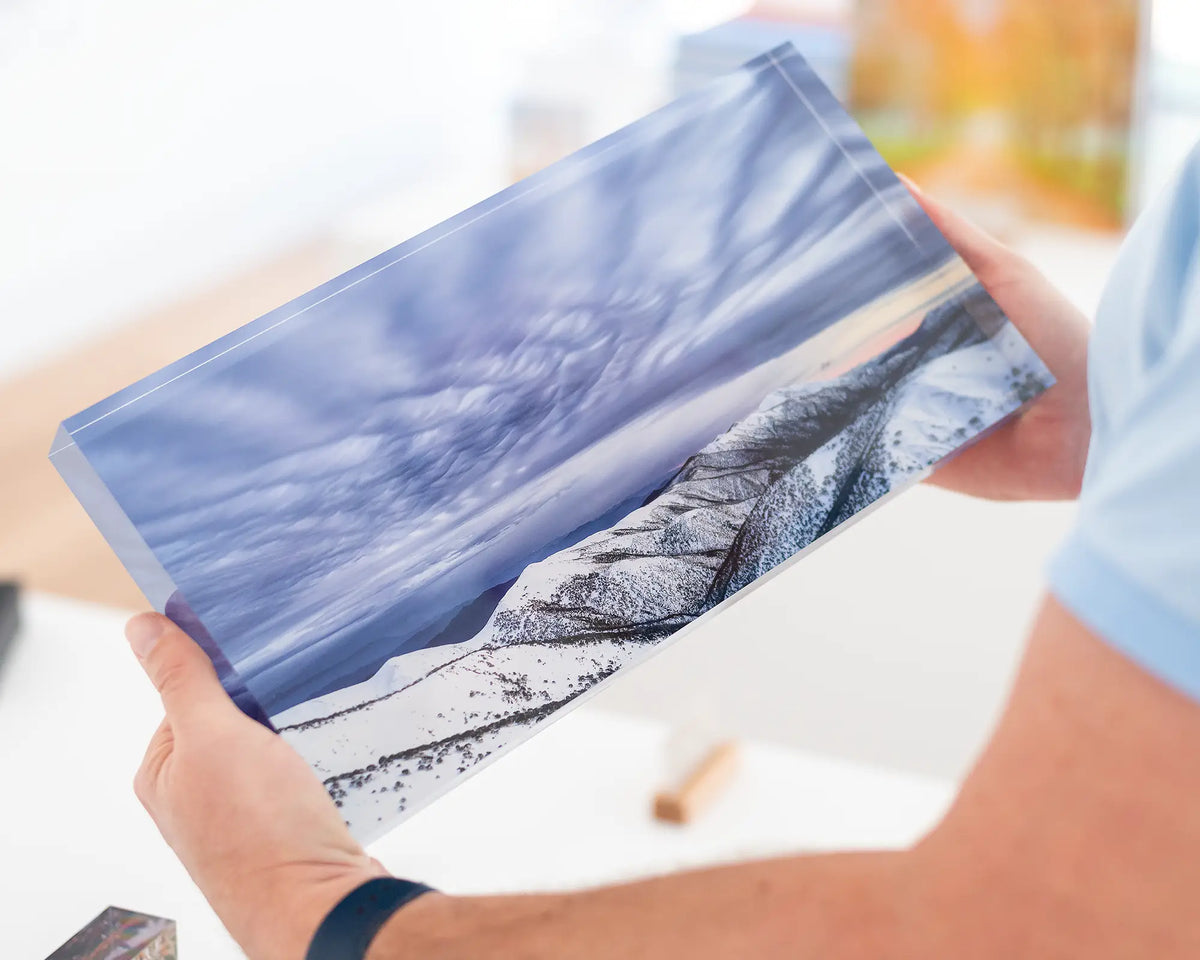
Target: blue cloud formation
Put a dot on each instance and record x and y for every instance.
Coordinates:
(414, 433)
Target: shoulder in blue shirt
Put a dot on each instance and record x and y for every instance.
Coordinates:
(1131, 568)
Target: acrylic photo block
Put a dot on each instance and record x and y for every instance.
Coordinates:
(420, 511)
(117, 934)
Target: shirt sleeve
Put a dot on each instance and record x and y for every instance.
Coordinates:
(1130, 569)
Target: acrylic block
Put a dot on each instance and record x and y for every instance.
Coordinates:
(118, 934)
(420, 511)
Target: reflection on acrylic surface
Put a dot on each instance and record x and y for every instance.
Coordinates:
(426, 506)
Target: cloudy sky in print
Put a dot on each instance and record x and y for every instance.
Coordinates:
(329, 493)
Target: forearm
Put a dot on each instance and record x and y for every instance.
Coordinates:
(835, 907)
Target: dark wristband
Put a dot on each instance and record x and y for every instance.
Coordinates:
(348, 929)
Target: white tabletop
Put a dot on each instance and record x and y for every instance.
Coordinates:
(569, 808)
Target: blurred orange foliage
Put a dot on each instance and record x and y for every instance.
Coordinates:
(1030, 97)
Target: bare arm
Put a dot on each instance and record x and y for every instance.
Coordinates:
(831, 906)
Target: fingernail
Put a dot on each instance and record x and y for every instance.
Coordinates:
(143, 632)
(908, 182)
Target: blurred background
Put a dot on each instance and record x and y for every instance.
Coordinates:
(170, 171)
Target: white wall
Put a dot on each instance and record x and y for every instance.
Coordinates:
(148, 147)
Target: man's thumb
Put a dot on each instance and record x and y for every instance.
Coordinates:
(178, 668)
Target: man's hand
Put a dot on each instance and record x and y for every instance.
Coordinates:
(1040, 454)
(250, 822)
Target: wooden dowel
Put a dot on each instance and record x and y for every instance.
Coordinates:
(702, 785)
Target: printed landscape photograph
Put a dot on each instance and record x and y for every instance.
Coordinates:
(420, 511)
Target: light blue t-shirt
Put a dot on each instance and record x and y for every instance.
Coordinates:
(1130, 570)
